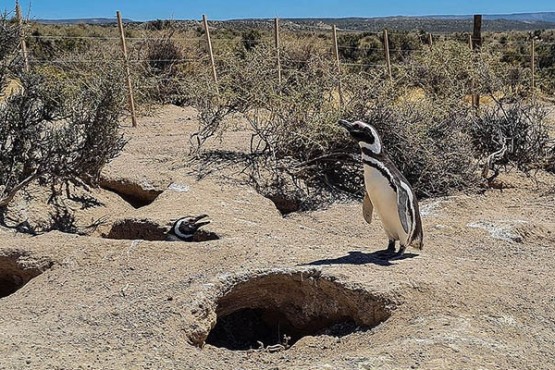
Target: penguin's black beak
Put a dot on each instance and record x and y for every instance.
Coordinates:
(346, 124)
(197, 221)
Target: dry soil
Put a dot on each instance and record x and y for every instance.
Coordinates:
(480, 295)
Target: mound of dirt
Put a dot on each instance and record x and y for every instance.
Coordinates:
(304, 291)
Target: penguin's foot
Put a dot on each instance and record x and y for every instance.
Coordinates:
(386, 253)
(399, 254)
(391, 246)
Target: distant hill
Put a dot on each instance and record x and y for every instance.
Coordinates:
(548, 17)
(429, 24)
(81, 21)
(439, 23)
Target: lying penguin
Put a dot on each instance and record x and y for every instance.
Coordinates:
(184, 229)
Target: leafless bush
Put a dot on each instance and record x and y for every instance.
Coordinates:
(298, 153)
(163, 55)
(427, 143)
(9, 41)
(295, 147)
(516, 125)
(244, 84)
(57, 133)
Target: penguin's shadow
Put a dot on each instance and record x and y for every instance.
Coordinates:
(380, 258)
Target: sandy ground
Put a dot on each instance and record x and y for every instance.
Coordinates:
(481, 295)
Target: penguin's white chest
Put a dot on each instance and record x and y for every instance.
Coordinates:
(384, 199)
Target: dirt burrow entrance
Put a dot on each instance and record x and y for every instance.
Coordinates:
(146, 229)
(17, 268)
(272, 310)
(137, 195)
(134, 228)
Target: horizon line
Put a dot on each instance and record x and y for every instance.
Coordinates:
(293, 18)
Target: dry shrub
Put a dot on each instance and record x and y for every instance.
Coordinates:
(545, 51)
(163, 55)
(452, 72)
(166, 70)
(299, 154)
(428, 144)
(424, 136)
(9, 42)
(57, 134)
(550, 160)
(517, 125)
(243, 84)
(298, 151)
(445, 72)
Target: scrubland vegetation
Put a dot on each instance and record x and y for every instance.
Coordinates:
(56, 125)
(62, 124)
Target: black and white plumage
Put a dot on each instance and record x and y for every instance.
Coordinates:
(387, 191)
(184, 229)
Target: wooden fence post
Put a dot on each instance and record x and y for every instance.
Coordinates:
(276, 34)
(338, 64)
(431, 41)
(209, 42)
(127, 71)
(387, 56)
(533, 64)
(477, 32)
(22, 36)
(476, 45)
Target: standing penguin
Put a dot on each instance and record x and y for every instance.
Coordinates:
(387, 191)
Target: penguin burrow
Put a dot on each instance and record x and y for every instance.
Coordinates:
(185, 228)
(273, 309)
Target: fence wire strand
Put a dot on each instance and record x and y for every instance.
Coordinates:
(199, 42)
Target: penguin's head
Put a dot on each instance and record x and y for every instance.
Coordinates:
(185, 227)
(366, 135)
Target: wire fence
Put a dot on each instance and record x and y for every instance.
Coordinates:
(373, 53)
(520, 55)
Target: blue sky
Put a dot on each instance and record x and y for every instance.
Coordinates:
(232, 9)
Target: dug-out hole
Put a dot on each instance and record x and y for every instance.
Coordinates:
(17, 268)
(145, 229)
(278, 309)
(134, 228)
(135, 194)
(285, 204)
